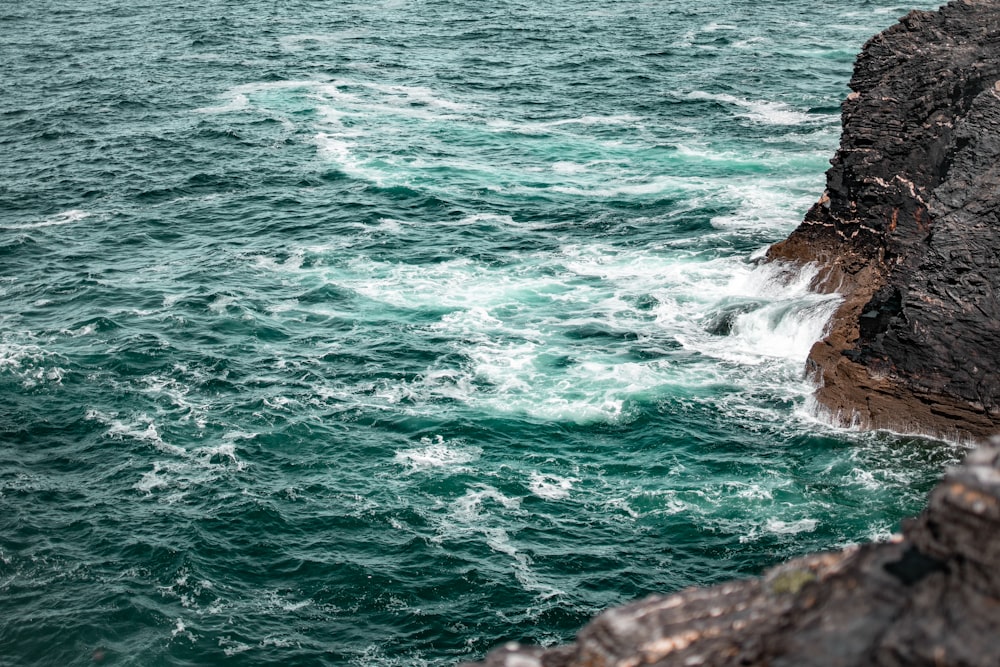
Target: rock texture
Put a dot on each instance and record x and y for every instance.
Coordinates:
(931, 597)
(908, 231)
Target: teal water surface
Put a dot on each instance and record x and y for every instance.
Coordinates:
(381, 333)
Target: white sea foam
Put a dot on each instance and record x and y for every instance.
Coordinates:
(180, 628)
(622, 505)
(64, 218)
(765, 204)
(543, 335)
(468, 508)
(221, 303)
(336, 149)
(880, 533)
(637, 186)
(231, 647)
(170, 299)
(236, 102)
(14, 355)
(751, 491)
(566, 167)
(866, 479)
(751, 41)
(545, 127)
(492, 218)
(475, 514)
(779, 527)
(223, 454)
(86, 330)
(550, 487)
(507, 325)
(437, 454)
(714, 27)
(760, 111)
(418, 95)
(142, 429)
(785, 326)
(184, 468)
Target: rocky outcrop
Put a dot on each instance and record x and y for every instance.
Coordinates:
(930, 597)
(908, 231)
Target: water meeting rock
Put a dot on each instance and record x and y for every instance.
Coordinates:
(931, 596)
(908, 231)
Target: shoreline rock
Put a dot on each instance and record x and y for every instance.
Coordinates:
(931, 596)
(908, 231)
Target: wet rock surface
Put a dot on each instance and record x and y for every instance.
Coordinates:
(929, 597)
(908, 231)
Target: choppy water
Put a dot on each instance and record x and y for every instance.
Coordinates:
(379, 333)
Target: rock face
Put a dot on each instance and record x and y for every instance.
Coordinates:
(908, 231)
(931, 597)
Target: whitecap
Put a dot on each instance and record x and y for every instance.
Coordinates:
(493, 218)
(64, 218)
(761, 111)
(467, 509)
(779, 527)
(335, 148)
(221, 303)
(178, 629)
(14, 355)
(566, 167)
(231, 647)
(221, 454)
(170, 299)
(551, 487)
(436, 453)
(621, 504)
(143, 429)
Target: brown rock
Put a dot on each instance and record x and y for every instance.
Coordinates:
(909, 232)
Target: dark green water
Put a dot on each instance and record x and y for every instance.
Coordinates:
(380, 333)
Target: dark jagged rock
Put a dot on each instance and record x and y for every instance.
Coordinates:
(930, 597)
(908, 231)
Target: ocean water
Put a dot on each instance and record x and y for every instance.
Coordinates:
(379, 333)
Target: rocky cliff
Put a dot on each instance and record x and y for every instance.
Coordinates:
(930, 597)
(908, 231)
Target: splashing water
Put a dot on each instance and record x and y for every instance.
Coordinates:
(380, 334)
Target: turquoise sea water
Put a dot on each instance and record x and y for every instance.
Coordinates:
(381, 333)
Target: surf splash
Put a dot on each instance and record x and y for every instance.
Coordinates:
(377, 335)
